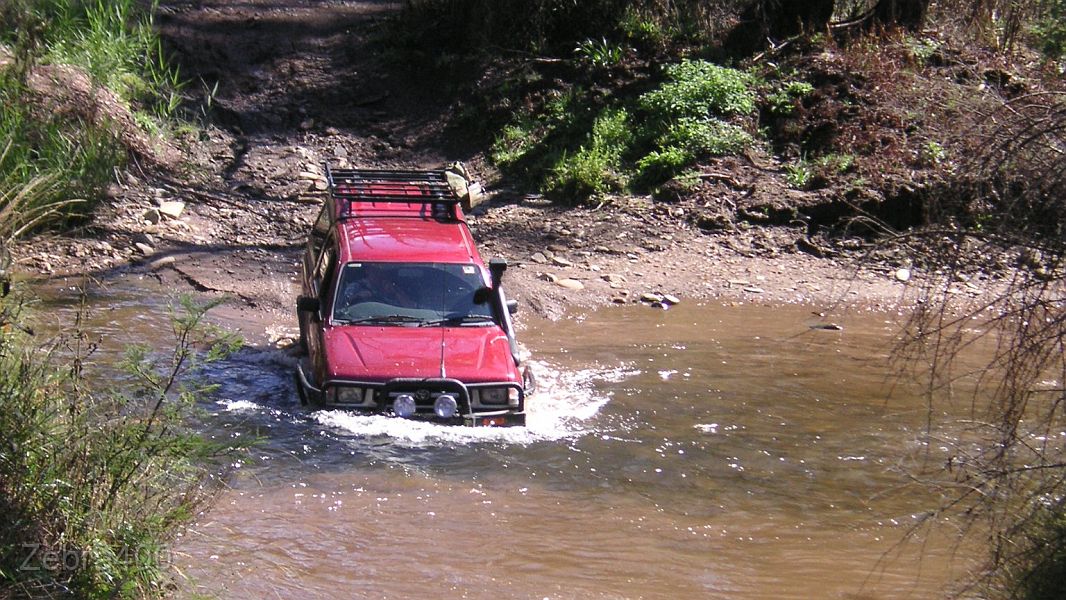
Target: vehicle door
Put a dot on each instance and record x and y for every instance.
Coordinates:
(322, 285)
(315, 242)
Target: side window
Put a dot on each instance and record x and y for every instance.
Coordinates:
(324, 272)
(320, 231)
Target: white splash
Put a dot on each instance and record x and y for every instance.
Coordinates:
(564, 403)
(239, 405)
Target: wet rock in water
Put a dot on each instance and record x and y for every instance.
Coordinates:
(827, 327)
(903, 275)
(651, 297)
(570, 284)
(671, 299)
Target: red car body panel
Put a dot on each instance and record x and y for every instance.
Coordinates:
(374, 353)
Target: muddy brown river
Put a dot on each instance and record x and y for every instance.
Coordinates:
(701, 452)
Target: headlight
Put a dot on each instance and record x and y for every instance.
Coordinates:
(445, 406)
(404, 405)
(500, 396)
(348, 395)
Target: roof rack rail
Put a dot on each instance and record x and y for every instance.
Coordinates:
(390, 185)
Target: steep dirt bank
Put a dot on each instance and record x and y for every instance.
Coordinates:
(301, 83)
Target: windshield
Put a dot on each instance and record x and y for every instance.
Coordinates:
(410, 294)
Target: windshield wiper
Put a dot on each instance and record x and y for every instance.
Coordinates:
(383, 319)
(458, 320)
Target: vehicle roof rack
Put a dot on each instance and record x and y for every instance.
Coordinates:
(390, 185)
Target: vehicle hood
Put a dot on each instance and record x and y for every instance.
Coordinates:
(380, 353)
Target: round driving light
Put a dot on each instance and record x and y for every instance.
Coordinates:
(404, 405)
(446, 407)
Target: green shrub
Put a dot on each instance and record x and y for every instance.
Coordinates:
(103, 479)
(697, 88)
(599, 53)
(596, 168)
(660, 165)
(705, 137)
(577, 177)
(782, 100)
(799, 174)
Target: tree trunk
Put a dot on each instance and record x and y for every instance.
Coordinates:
(786, 18)
(909, 14)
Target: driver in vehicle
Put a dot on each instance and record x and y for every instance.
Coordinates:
(371, 283)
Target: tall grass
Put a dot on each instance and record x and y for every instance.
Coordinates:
(111, 42)
(93, 484)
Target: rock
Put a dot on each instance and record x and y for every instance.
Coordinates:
(152, 216)
(320, 185)
(671, 299)
(570, 284)
(618, 300)
(172, 208)
(332, 131)
(650, 297)
(903, 275)
(143, 248)
(549, 277)
(561, 262)
(144, 238)
(307, 124)
(539, 258)
(827, 327)
(751, 289)
(614, 278)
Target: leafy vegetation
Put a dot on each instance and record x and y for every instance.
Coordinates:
(73, 147)
(94, 484)
(577, 151)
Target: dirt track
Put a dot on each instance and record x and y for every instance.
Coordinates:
(301, 83)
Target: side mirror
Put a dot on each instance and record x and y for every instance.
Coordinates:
(496, 268)
(512, 307)
(307, 304)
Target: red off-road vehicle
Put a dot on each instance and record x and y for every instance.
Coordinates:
(398, 313)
